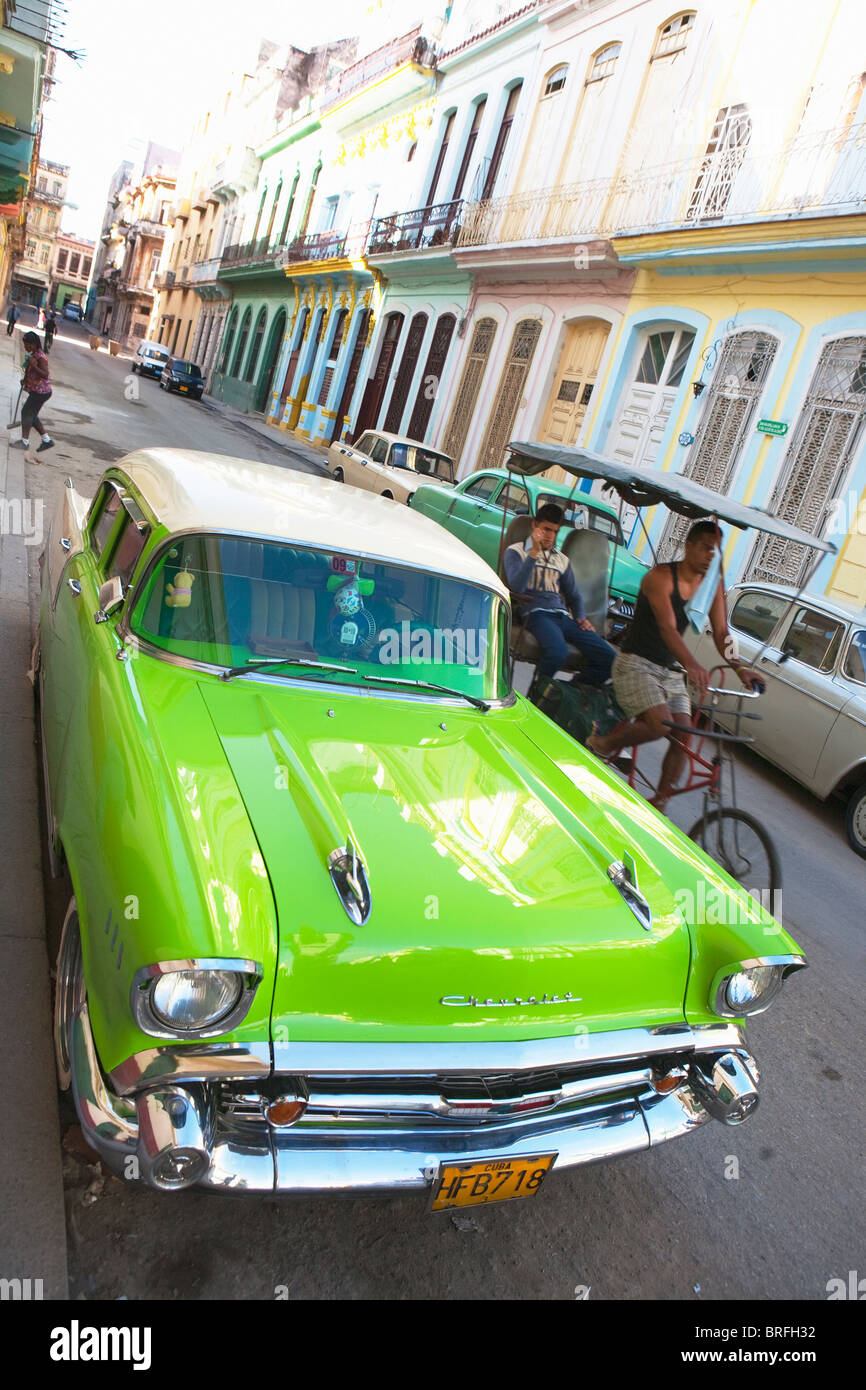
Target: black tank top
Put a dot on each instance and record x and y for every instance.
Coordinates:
(643, 637)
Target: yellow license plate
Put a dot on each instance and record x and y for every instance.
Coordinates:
(491, 1180)
(184, 388)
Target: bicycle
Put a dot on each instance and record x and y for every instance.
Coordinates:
(733, 837)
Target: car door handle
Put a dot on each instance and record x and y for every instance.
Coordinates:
(74, 586)
(66, 542)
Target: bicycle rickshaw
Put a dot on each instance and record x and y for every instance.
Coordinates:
(733, 837)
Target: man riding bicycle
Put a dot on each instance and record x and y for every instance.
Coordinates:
(650, 670)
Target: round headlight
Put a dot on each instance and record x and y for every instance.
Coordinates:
(752, 989)
(195, 998)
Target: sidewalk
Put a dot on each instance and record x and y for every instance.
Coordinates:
(33, 1230)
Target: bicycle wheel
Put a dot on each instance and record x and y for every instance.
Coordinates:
(742, 846)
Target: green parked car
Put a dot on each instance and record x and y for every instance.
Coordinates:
(347, 913)
(473, 511)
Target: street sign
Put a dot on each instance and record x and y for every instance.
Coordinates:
(772, 427)
(685, 438)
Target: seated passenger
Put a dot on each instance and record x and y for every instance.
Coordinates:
(540, 576)
(653, 662)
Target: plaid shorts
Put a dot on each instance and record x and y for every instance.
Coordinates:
(640, 684)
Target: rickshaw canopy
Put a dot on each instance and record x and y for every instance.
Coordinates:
(646, 487)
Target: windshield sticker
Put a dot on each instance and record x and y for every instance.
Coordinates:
(341, 564)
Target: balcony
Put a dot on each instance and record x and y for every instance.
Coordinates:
(205, 272)
(330, 246)
(165, 281)
(419, 230)
(236, 175)
(819, 175)
(410, 48)
(250, 255)
(145, 227)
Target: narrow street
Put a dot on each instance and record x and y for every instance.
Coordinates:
(683, 1222)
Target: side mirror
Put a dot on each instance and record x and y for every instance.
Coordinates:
(110, 598)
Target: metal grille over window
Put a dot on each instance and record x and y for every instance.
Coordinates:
(512, 383)
(717, 175)
(400, 394)
(469, 388)
(813, 474)
(729, 409)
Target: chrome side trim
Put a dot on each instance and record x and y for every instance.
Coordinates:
(203, 1062)
(482, 1057)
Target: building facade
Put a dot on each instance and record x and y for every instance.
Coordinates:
(134, 248)
(26, 68)
(70, 271)
(31, 276)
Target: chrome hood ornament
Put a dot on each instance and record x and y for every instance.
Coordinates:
(349, 877)
(623, 875)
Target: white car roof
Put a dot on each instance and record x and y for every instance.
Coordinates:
(190, 491)
(849, 611)
(403, 439)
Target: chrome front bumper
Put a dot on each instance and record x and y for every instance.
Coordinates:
(181, 1133)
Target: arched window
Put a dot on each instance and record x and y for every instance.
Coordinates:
(440, 158)
(471, 140)
(274, 211)
(284, 234)
(257, 342)
(469, 389)
(501, 141)
(242, 342)
(602, 63)
(673, 36)
(229, 339)
(555, 80)
(259, 213)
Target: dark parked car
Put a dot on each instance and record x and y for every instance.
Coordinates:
(182, 376)
(73, 311)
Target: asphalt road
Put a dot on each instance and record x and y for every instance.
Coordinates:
(673, 1223)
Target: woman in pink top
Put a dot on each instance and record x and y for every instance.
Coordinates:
(37, 384)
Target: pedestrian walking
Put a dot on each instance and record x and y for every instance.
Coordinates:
(37, 385)
(12, 317)
(50, 329)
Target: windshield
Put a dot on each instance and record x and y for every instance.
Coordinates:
(188, 367)
(227, 601)
(577, 511)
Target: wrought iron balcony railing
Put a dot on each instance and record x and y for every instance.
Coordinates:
(252, 252)
(822, 174)
(330, 246)
(204, 272)
(417, 230)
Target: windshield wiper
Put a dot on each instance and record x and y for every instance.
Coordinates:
(429, 685)
(283, 661)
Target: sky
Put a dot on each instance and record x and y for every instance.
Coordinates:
(149, 71)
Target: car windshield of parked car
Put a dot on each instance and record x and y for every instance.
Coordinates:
(187, 368)
(226, 601)
(577, 513)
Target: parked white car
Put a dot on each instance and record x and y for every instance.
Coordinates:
(389, 464)
(812, 653)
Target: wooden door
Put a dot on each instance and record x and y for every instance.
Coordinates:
(576, 375)
(375, 388)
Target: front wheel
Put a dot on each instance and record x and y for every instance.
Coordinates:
(741, 845)
(855, 820)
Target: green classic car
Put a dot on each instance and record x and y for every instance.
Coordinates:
(473, 511)
(347, 913)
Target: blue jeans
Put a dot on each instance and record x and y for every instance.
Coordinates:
(553, 630)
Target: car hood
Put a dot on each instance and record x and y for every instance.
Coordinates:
(491, 906)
